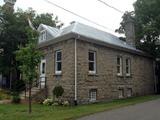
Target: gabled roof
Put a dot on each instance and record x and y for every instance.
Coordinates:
(51, 30)
(89, 32)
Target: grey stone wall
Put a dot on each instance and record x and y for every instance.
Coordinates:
(105, 80)
(66, 79)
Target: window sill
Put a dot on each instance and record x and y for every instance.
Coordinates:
(92, 74)
(120, 75)
(57, 74)
(128, 76)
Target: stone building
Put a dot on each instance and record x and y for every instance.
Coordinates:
(93, 65)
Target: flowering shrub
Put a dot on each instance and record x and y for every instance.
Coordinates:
(48, 101)
(65, 103)
(55, 104)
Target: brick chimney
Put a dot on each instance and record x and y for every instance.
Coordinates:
(129, 29)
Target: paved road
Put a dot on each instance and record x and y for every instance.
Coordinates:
(145, 111)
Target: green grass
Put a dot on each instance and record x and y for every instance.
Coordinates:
(41, 112)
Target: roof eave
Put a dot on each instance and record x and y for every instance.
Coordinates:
(92, 40)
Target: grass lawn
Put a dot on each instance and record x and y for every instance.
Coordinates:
(41, 112)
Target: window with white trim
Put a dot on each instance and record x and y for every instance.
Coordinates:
(43, 67)
(121, 93)
(119, 65)
(128, 67)
(129, 92)
(58, 62)
(92, 62)
(93, 95)
(43, 35)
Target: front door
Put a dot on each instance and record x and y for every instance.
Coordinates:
(42, 72)
(1, 81)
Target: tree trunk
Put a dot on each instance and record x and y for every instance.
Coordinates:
(30, 100)
(10, 80)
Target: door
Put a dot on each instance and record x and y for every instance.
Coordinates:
(1, 81)
(42, 72)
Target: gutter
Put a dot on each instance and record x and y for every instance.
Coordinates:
(75, 81)
(92, 40)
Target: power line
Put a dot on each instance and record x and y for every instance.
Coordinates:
(78, 15)
(111, 6)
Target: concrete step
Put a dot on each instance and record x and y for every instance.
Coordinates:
(34, 91)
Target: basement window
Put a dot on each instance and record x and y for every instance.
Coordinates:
(121, 93)
(58, 62)
(92, 62)
(129, 92)
(93, 95)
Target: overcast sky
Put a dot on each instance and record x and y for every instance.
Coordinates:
(90, 9)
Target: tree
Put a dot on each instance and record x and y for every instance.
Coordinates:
(29, 58)
(13, 27)
(147, 25)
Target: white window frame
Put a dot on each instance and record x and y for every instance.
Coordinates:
(129, 92)
(41, 67)
(121, 93)
(58, 72)
(128, 66)
(93, 95)
(119, 65)
(43, 35)
(94, 62)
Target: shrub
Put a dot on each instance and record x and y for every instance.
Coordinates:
(4, 95)
(58, 91)
(18, 86)
(16, 98)
(48, 101)
(65, 103)
(55, 104)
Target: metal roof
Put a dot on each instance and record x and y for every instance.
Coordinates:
(52, 30)
(89, 32)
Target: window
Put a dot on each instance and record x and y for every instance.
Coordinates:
(93, 95)
(43, 67)
(129, 92)
(119, 66)
(128, 67)
(58, 62)
(43, 35)
(121, 93)
(92, 62)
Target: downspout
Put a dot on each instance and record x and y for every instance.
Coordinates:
(155, 78)
(75, 58)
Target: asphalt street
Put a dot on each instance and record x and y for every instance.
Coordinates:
(144, 111)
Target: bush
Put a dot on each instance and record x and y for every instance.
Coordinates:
(65, 103)
(58, 91)
(4, 95)
(48, 102)
(18, 86)
(16, 98)
(55, 104)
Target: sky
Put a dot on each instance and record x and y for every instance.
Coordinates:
(90, 9)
